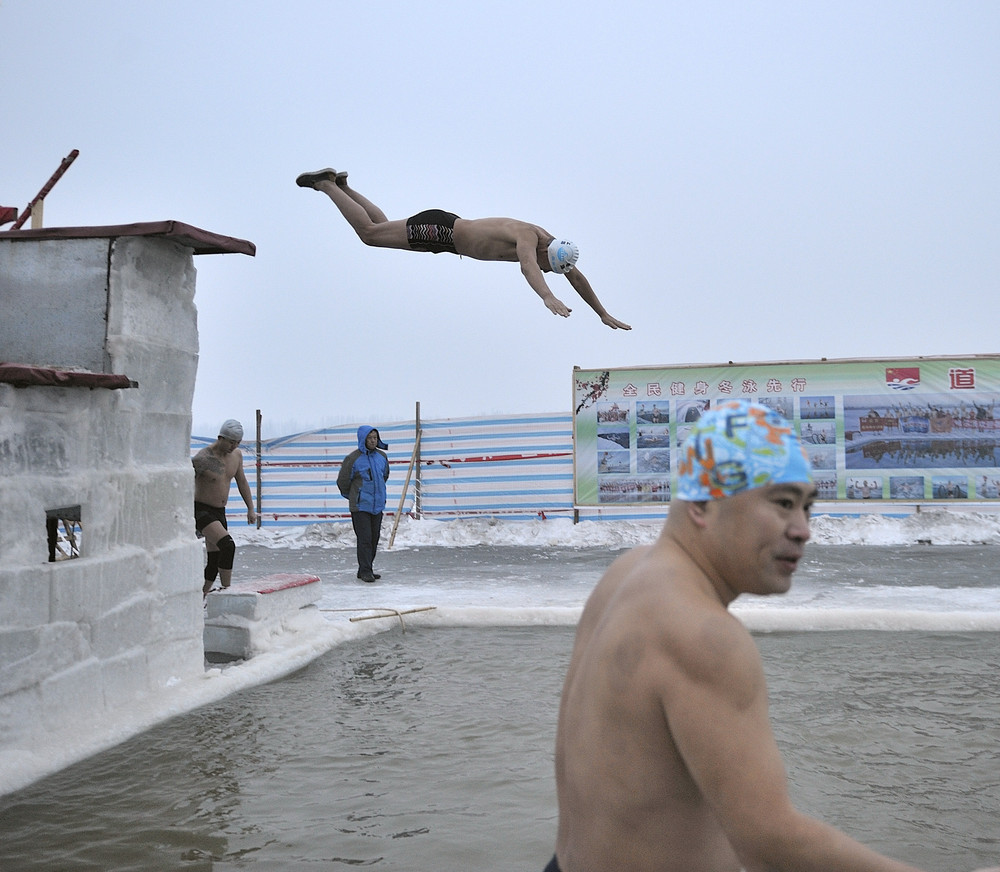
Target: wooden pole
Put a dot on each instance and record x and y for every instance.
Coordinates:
(417, 493)
(43, 193)
(388, 613)
(406, 484)
(258, 468)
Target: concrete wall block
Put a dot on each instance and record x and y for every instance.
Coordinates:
(75, 694)
(24, 596)
(131, 625)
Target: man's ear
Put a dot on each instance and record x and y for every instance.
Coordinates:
(697, 512)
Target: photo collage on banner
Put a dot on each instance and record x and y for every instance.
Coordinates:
(918, 429)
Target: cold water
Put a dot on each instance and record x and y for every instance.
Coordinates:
(431, 748)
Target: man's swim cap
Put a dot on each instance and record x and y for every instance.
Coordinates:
(737, 446)
(232, 429)
(562, 255)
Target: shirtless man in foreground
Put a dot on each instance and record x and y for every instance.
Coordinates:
(665, 759)
(215, 466)
(501, 239)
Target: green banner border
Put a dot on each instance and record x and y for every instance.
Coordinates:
(916, 429)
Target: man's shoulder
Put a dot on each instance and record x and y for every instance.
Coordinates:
(205, 459)
(712, 647)
(635, 595)
(659, 587)
(512, 227)
(685, 640)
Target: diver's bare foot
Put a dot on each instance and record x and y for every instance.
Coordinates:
(309, 180)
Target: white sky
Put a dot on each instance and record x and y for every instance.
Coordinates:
(746, 181)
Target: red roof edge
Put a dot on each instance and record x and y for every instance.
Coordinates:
(22, 375)
(201, 241)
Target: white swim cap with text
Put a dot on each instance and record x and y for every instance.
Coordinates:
(562, 255)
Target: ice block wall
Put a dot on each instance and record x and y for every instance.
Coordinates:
(83, 638)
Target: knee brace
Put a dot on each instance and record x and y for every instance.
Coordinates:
(212, 568)
(227, 551)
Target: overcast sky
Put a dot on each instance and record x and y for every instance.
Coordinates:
(746, 181)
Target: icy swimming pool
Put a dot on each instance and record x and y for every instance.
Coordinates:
(425, 750)
(432, 749)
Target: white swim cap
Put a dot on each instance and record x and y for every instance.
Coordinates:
(562, 255)
(232, 429)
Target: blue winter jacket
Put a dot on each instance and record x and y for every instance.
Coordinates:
(363, 475)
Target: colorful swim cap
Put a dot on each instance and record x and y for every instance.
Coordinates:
(562, 255)
(232, 429)
(737, 446)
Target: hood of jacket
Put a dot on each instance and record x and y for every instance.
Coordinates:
(363, 432)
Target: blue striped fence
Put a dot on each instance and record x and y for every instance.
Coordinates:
(516, 467)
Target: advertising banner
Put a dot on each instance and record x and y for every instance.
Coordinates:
(915, 429)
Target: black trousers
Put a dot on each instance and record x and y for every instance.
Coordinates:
(367, 528)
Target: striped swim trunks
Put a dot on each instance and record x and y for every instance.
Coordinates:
(431, 230)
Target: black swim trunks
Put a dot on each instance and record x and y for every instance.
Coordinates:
(431, 230)
(204, 514)
(553, 865)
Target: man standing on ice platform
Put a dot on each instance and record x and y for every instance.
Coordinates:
(361, 481)
(215, 467)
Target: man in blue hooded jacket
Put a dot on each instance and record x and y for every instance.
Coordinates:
(361, 481)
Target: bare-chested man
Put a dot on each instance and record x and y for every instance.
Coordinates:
(215, 466)
(502, 239)
(665, 759)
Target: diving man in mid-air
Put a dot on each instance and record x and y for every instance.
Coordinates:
(501, 239)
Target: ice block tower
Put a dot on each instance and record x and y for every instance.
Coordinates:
(100, 569)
